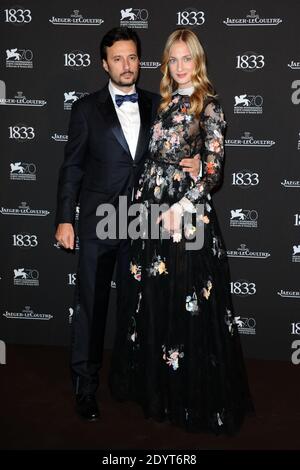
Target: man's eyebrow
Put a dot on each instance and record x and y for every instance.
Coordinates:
(121, 55)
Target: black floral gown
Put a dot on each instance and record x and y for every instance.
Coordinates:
(178, 350)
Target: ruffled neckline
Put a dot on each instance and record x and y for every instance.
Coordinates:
(185, 91)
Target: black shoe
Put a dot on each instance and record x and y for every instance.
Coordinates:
(87, 407)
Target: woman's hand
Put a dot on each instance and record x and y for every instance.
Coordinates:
(171, 219)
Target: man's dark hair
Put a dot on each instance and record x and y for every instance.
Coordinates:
(119, 34)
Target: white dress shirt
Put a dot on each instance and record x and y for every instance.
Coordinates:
(129, 116)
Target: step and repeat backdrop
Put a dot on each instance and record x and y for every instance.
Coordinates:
(49, 58)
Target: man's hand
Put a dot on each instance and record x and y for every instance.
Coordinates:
(191, 165)
(65, 235)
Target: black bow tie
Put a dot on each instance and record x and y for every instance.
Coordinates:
(119, 99)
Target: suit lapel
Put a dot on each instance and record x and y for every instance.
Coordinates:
(145, 115)
(107, 109)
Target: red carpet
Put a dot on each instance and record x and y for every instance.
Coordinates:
(37, 410)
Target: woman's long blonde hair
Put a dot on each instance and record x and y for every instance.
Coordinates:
(201, 83)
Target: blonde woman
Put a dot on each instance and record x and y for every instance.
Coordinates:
(180, 356)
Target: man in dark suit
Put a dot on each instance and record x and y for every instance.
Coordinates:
(107, 142)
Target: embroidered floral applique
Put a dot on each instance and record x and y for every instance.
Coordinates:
(174, 139)
(132, 334)
(138, 303)
(189, 230)
(191, 304)
(206, 290)
(204, 218)
(136, 271)
(220, 418)
(157, 192)
(176, 236)
(208, 206)
(232, 322)
(159, 179)
(158, 266)
(167, 145)
(173, 356)
(217, 247)
(185, 105)
(177, 176)
(178, 118)
(139, 193)
(214, 145)
(157, 131)
(210, 168)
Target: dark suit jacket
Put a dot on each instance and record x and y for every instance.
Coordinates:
(98, 166)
